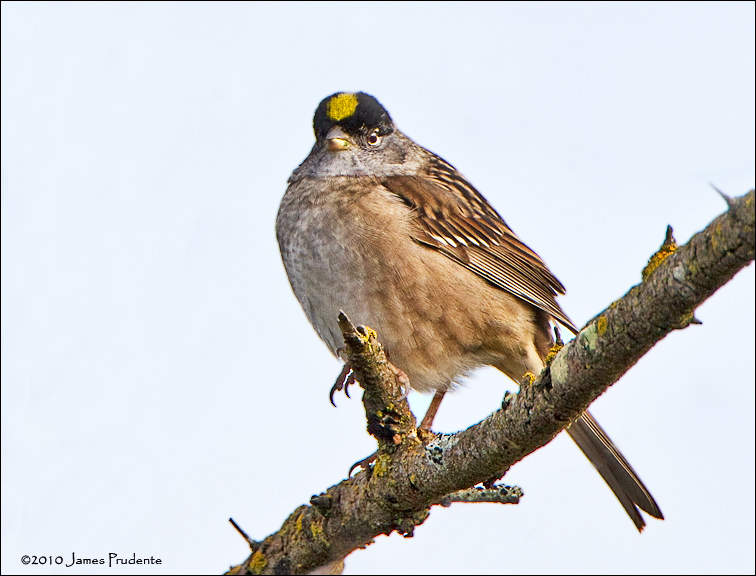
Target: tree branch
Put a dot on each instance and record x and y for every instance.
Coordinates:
(411, 473)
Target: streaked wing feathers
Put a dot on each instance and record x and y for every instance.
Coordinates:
(455, 219)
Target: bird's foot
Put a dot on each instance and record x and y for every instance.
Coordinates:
(345, 379)
(364, 464)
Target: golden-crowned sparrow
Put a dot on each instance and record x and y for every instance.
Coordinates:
(385, 230)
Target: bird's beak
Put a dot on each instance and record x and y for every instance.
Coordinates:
(337, 139)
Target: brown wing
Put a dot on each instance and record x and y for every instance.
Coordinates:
(455, 219)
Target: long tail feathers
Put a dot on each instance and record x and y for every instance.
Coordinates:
(614, 469)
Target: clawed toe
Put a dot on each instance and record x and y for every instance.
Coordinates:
(345, 379)
(363, 463)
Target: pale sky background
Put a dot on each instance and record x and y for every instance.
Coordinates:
(158, 375)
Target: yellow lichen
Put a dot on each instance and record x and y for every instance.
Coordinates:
(258, 563)
(527, 379)
(667, 249)
(553, 352)
(602, 323)
(299, 523)
(715, 236)
(382, 465)
(316, 529)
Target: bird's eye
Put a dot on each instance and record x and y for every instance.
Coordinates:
(374, 138)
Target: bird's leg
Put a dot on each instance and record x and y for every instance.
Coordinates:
(399, 375)
(402, 379)
(431, 413)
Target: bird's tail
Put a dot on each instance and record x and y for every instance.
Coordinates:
(614, 469)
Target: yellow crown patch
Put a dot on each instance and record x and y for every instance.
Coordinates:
(341, 106)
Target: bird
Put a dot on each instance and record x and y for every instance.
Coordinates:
(376, 226)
